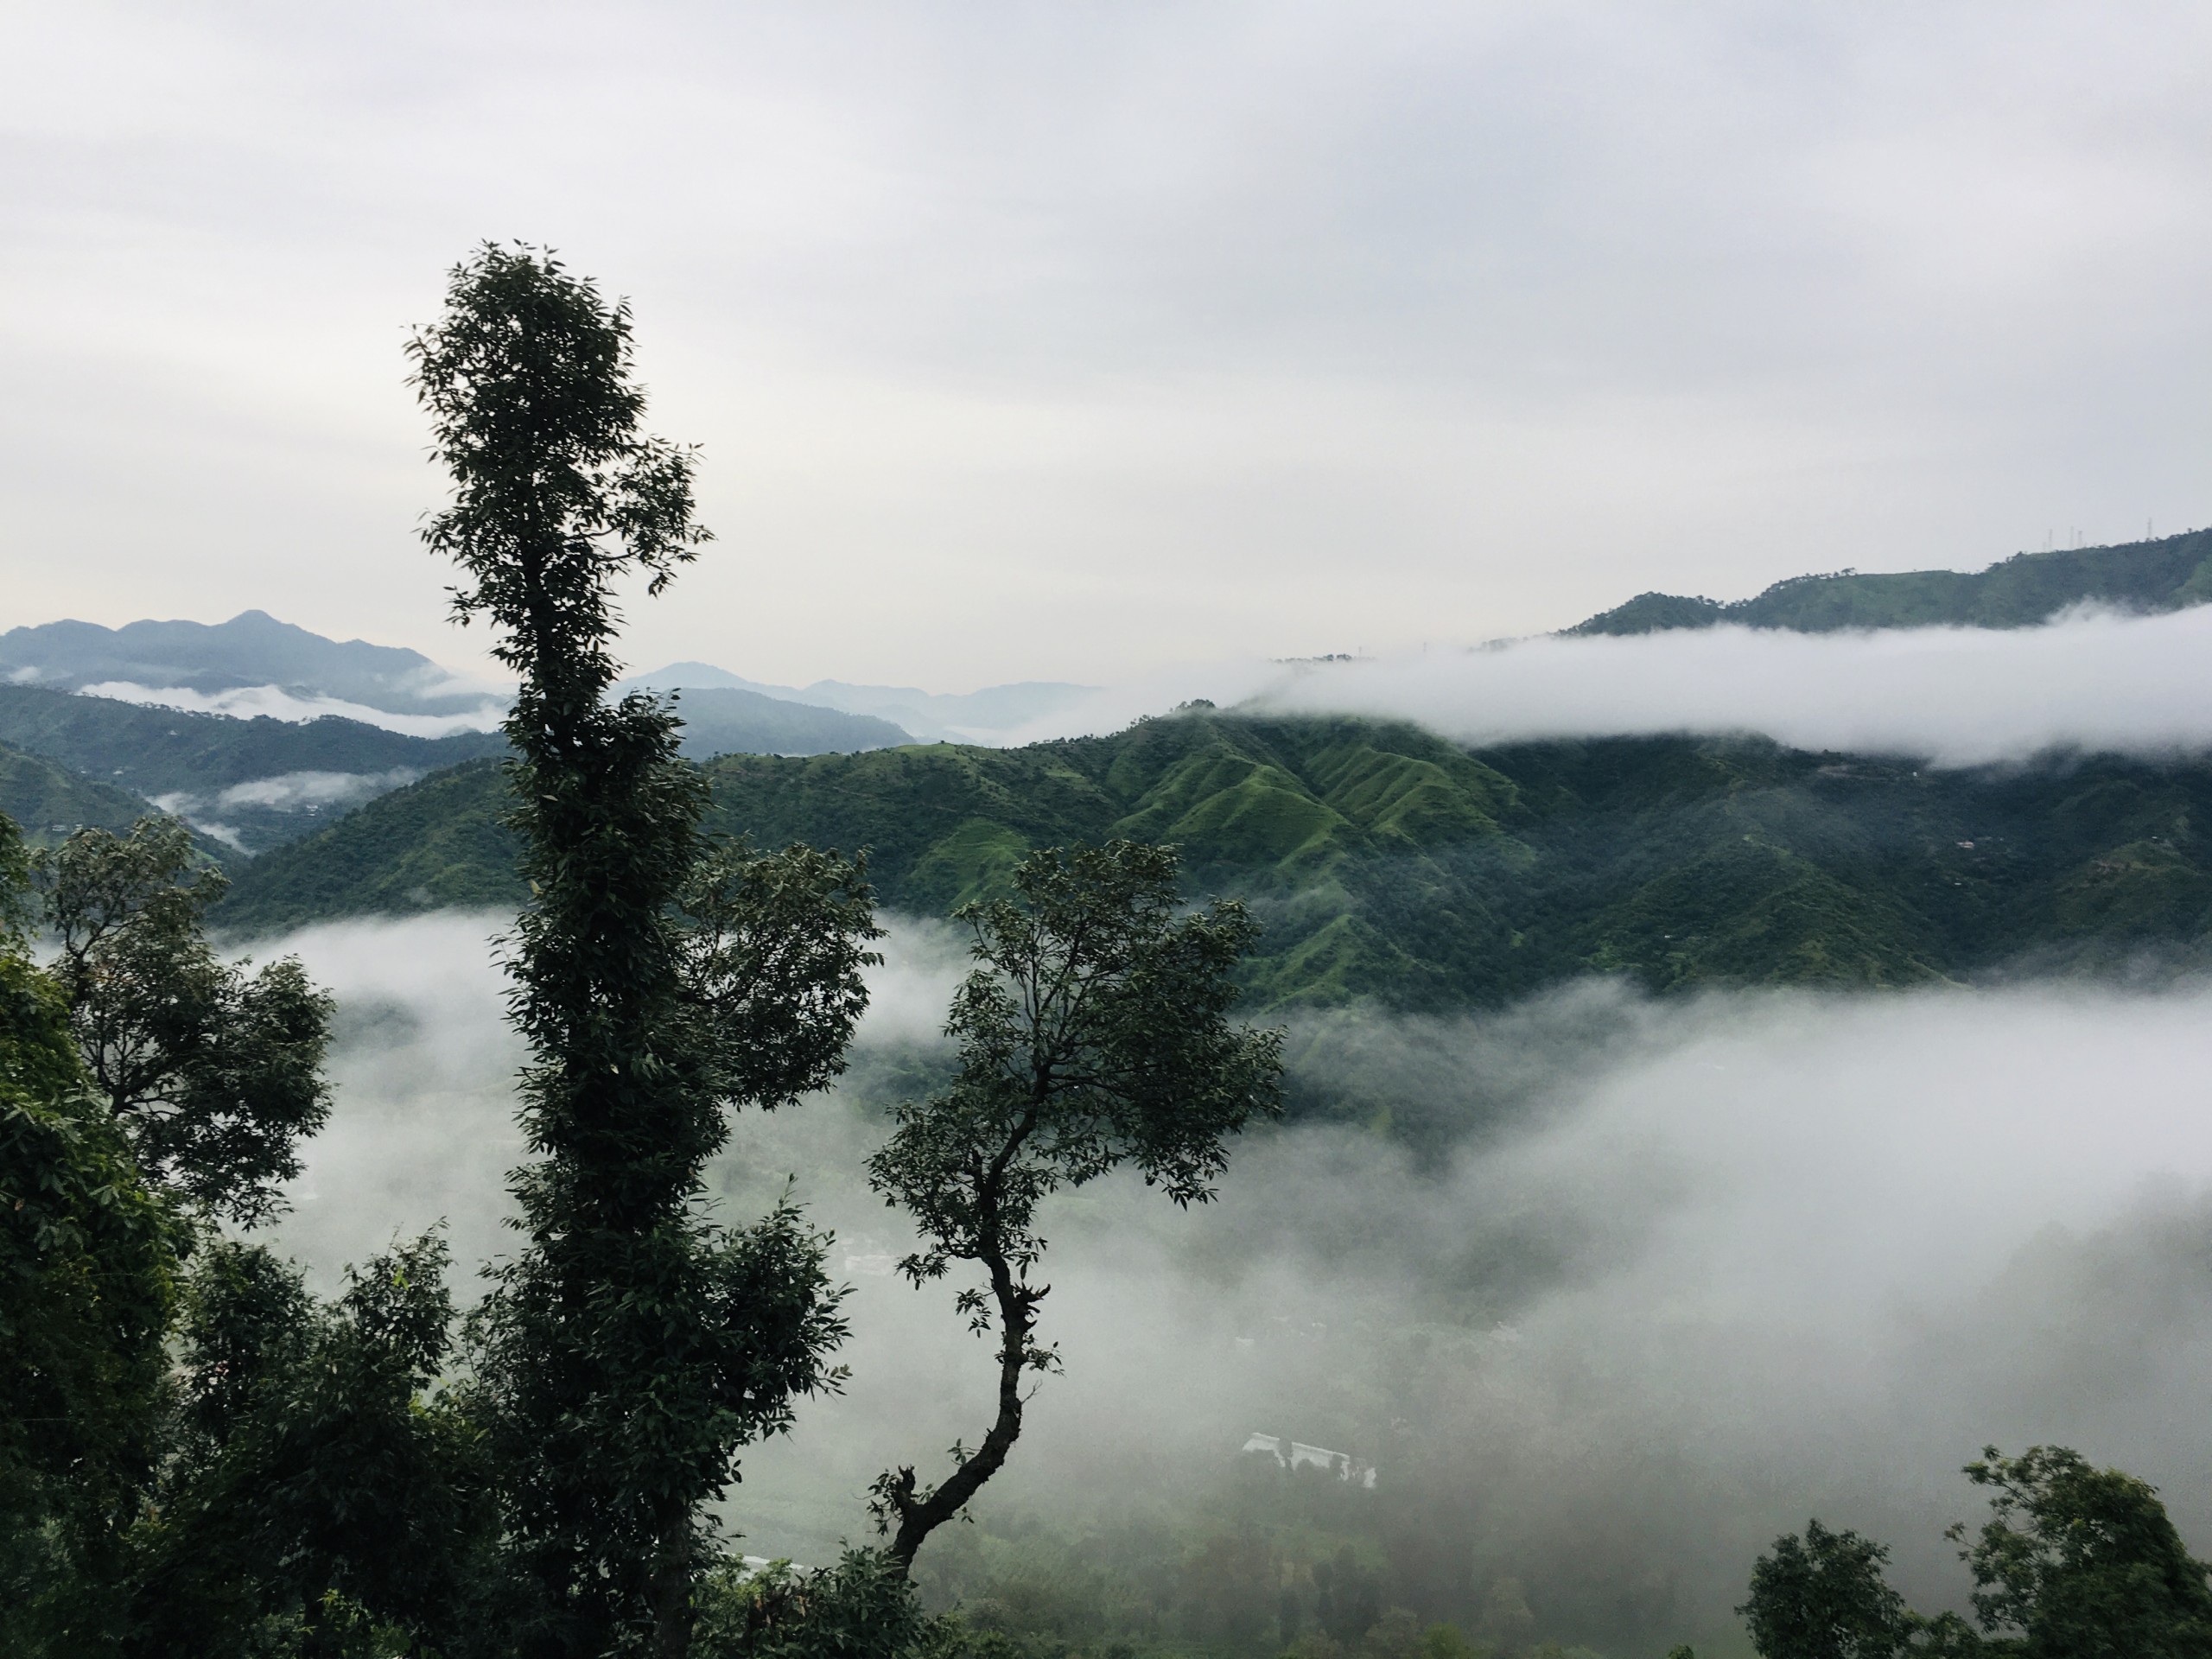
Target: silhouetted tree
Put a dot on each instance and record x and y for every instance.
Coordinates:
(633, 1345)
(1094, 1032)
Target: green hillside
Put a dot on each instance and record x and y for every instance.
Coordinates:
(1388, 863)
(2166, 574)
(157, 751)
(49, 800)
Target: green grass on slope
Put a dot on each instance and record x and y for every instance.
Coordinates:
(2164, 574)
(1386, 864)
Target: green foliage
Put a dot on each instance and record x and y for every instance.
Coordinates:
(2019, 591)
(1094, 1032)
(49, 802)
(2075, 1562)
(320, 1493)
(155, 752)
(1823, 1597)
(633, 1346)
(1417, 876)
(86, 1269)
(213, 1074)
(861, 1608)
(2080, 1562)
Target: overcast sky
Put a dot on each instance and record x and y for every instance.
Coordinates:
(1073, 341)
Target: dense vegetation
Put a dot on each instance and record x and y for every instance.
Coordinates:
(2165, 575)
(49, 800)
(1384, 862)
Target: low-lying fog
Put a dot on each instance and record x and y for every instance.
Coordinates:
(1615, 1289)
(2087, 679)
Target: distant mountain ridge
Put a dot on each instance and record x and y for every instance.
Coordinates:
(726, 719)
(252, 649)
(2167, 574)
(932, 716)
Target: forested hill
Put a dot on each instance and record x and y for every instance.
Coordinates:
(155, 750)
(2165, 575)
(48, 800)
(1387, 863)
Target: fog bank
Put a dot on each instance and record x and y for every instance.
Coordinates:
(1682, 1274)
(1954, 697)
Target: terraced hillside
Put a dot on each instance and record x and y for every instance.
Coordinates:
(1388, 863)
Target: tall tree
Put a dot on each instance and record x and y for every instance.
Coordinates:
(87, 1259)
(213, 1073)
(1093, 1032)
(633, 1344)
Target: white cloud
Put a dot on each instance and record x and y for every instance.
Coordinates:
(249, 702)
(1955, 696)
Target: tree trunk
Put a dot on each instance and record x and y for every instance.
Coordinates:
(1017, 1318)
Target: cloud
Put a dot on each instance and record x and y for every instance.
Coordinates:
(1954, 697)
(274, 703)
(1664, 1279)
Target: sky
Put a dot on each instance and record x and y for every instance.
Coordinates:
(1074, 342)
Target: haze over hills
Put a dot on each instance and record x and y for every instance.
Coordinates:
(933, 716)
(2169, 573)
(250, 650)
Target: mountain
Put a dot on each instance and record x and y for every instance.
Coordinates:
(1387, 863)
(726, 719)
(2166, 574)
(933, 716)
(252, 649)
(249, 784)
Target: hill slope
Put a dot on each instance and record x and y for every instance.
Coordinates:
(251, 784)
(49, 800)
(1387, 863)
(2165, 575)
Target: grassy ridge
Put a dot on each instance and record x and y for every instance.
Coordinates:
(1388, 863)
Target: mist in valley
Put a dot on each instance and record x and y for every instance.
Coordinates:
(1610, 1290)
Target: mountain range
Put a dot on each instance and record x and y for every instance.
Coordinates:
(1387, 862)
(251, 650)
(929, 716)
